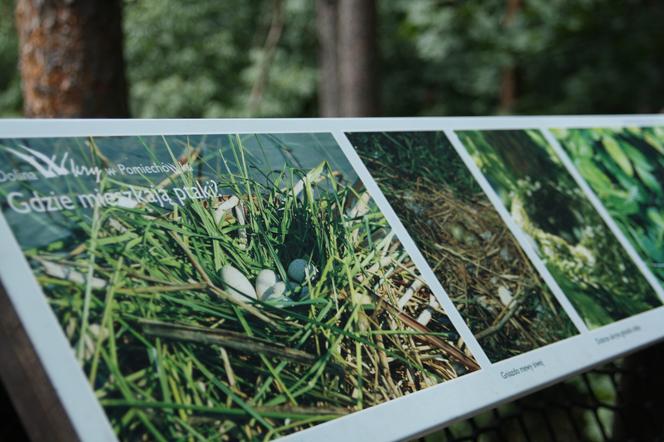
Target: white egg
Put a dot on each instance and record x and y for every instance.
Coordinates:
(424, 317)
(236, 284)
(275, 293)
(299, 270)
(505, 295)
(266, 278)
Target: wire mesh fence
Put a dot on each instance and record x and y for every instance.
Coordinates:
(620, 401)
(579, 409)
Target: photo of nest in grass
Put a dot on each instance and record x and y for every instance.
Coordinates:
(259, 291)
(579, 250)
(480, 264)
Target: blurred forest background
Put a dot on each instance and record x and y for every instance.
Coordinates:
(306, 58)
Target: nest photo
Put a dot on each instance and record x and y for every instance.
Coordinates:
(226, 287)
(581, 253)
(494, 286)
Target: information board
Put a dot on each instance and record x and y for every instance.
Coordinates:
(326, 279)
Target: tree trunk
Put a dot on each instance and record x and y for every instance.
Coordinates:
(508, 87)
(507, 90)
(71, 58)
(357, 52)
(328, 61)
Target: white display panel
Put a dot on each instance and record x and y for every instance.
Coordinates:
(58, 284)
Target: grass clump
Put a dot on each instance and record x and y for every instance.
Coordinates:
(172, 355)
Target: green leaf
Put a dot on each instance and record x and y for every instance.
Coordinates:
(656, 216)
(649, 180)
(639, 160)
(614, 150)
(593, 175)
(621, 203)
(655, 143)
(625, 181)
(649, 247)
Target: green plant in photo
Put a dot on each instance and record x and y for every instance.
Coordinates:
(625, 168)
(279, 301)
(579, 250)
(480, 264)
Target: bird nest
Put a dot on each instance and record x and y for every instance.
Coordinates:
(483, 269)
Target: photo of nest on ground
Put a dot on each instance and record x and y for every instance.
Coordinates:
(625, 169)
(581, 253)
(268, 296)
(480, 264)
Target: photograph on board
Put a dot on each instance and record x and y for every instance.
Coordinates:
(482, 267)
(625, 169)
(582, 254)
(235, 287)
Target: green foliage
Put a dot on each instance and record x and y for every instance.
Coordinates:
(569, 56)
(625, 168)
(576, 245)
(202, 58)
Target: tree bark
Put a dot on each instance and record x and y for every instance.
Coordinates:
(71, 58)
(328, 61)
(508, 83)
(357, 52)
